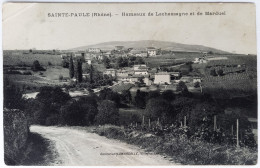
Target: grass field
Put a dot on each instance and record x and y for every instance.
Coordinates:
(19, 58)
(31, 83)
(245, 82)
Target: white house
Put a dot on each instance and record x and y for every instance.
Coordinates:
(200, 60)
(147, 81)
(162, 78)
(94, 50)
(196, 79)
(151, 51)
(141, 72)
(88, 61)
(111, 72)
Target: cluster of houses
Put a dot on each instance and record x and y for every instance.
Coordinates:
(149, 76)
(201, 60)
(138, 72)
(98, 54)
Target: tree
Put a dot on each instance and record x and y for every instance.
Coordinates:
(153, 94)
(108, 94)
(141, 79)
(197, 84)
(60, 78)
(122, 62)
(51, 100)
(71, 67)
(220, 72)
(213, 72)
(160, 108)
(91, 70)
(107, 113)
(139, 60)
(106, 62)
(140, 99)
(168, 95)
(203, 113)
(65, 63)
(13, 96)
(78, 70)
(72, 114)
(36, 66)
(181, 87)
(126, 96)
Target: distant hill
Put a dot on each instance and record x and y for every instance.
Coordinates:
(164, 45)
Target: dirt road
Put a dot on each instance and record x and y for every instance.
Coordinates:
(80, 148)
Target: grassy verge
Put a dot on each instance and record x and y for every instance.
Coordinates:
(35, 152)
(181, 149)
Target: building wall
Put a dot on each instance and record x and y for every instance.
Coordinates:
(151, 53)
(147, 81)
(96, 50)
(110, 72)
(141, 73)
(162, 78)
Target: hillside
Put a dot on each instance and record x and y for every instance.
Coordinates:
(151, 43)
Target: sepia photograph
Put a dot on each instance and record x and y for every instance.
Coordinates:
(129, 84)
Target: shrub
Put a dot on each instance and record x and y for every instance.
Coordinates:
(27, 73)
(107, 113)
(37, 67)
(15, 134)
(52, 120)
(60, 78)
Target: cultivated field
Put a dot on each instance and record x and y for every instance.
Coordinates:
(20, 58)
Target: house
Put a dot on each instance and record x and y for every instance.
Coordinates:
(186, 79)
(120, 73)
(141, 72)
(82, 54)
(200, 60)
(88, 61)
(125, 78)
(141, 69)
(196, 79)
(119, 48)
(141, 55)
(107, 54)
(146, 80)
(175, 75)
(162, 78)
(151, 51)
(138, 52)
(111, 72)
(94, 50)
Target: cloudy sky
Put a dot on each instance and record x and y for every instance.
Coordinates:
(28, 26)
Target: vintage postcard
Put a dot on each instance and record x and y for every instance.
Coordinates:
(129, 84)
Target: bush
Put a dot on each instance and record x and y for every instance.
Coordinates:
(60, 78)
(16, 131)
(52, 120)
(196, 84)
(27, 73)
(37, 67)
(107, 113)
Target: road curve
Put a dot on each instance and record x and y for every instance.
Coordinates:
(80, 148)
